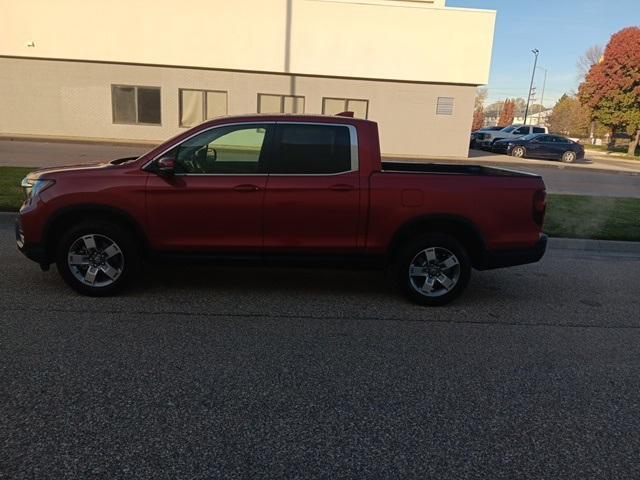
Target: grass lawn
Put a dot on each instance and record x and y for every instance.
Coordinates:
(603, 218)
(11, 195)
(619, 151)
(571, 216)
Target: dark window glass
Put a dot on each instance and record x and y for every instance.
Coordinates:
(538, 130)
(560, 140)
(148, 105)
(231, 150)
(124, 104)
(522, 131)
(135, 104)
(544, 138)
(311, 149)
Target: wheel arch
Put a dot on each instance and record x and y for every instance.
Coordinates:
(462, 229)
(66, 217)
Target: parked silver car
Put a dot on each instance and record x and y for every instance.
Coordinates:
(512, 131)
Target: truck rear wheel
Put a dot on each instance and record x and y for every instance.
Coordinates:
(97, 258)
(433, 269)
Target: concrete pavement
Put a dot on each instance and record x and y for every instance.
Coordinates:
(203, 372)
(19, 153)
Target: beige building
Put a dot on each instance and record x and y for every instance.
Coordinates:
(145, 70)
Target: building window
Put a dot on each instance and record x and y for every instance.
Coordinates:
(268, 103)
(444, 106)
(196, 106)
(333, 106)
(136, 105)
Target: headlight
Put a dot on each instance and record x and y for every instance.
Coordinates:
(34, 187)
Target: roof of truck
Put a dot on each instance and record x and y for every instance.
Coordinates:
(280, 117)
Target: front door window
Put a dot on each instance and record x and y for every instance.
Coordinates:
(224, 150)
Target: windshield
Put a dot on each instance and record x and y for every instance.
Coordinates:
(508, 129)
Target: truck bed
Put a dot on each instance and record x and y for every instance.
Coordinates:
(452, 169)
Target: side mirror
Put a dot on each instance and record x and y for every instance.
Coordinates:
(166, 166)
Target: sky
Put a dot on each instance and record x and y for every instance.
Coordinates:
(561, 29)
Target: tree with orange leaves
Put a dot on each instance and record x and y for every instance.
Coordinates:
(612, 87)
(507, 113)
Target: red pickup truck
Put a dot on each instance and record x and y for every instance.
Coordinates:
(301, 188)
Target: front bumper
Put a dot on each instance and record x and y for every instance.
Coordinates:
(501, 148)
(508, 258)
(37, 253)
(483, 143)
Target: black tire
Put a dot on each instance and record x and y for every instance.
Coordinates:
(410, 251)
(128, 259)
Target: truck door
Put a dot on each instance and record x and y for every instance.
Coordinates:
(213, 202)
(312, 198)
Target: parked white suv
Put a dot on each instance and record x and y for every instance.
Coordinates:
(512, 131)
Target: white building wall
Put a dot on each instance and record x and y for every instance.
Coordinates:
(73, 99)
(384, 39)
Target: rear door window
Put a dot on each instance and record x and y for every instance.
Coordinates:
(538, 130)
(311, 149)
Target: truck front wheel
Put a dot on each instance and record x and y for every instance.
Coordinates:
(97, 258)
(433, 269)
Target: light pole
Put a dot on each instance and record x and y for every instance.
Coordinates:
(535, 51)
(544, 83)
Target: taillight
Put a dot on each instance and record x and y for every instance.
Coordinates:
(539, 206)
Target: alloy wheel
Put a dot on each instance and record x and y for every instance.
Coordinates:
(95, 260)
(434, 271)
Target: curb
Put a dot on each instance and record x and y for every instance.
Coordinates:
(598, 246)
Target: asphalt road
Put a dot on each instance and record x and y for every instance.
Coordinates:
(256, 373)
(576, 181)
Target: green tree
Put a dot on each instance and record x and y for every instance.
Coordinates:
(570, 117)
(612, 87)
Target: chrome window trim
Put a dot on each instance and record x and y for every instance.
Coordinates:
(353, 137)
